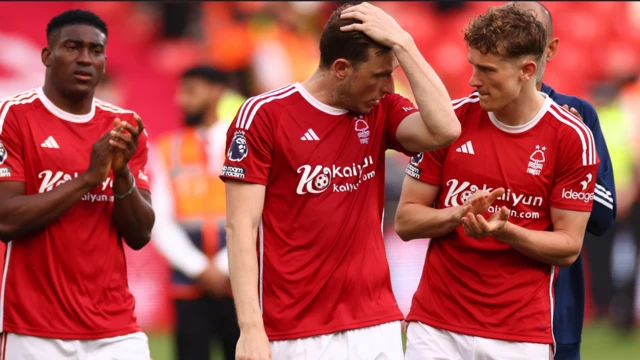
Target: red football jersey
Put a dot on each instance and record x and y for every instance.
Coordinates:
(322, 260)
(68, 281)
(484, 287)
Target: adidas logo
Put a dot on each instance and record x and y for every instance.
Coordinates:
(466, 148)
(50, 143)
(310, 135)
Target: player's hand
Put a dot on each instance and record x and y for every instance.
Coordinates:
(476, 226)
(480, 201)
(99, 162)
(214, 281)
(573, 111)
(378, 25)
(124, 142)
(253, 344)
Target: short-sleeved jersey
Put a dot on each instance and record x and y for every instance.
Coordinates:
(69, 280)
(483, 287)
(321, 253)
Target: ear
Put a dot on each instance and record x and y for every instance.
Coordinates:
(45, 56)
(342, 68)
(552, 48)
(528, 70)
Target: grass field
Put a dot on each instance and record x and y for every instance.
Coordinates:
(599, 342)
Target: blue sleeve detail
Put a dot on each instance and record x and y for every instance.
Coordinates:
(603, 215)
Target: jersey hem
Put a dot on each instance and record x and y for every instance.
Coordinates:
(12, 179)
(70, 335)
(251, 179)
(570, 207)
(482, 333)
(330, 330)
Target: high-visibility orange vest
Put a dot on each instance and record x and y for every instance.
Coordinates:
(199, 197)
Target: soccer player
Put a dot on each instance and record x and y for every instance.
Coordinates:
(305, 188)
(73, 188)
(505, 204)
(569, 287)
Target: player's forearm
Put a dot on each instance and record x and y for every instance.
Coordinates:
(133, 215)
(430, 94)
(550, 247)
(416, 221)
(26, 214)
(243, 273)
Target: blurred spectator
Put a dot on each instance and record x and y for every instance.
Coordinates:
(613, 258)
(189, 200)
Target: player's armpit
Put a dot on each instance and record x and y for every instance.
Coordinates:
(416, 218)
(560, 246)
(245, 202)
(415, 136)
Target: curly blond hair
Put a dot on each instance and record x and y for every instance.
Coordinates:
(507, 31)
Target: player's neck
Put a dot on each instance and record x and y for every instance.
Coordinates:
(320, 86)
(76, 107)
(521, 110)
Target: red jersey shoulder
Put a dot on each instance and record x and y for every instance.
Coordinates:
(264, 108)
(574, 136)
(467, 108)
(18, 105)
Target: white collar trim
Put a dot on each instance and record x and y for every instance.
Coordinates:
(317, 104)
(529, 124)
(63, 114)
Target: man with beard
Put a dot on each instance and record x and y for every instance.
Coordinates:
(190, 230)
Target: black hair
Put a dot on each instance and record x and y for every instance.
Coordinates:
(208, 73)
(76, 17)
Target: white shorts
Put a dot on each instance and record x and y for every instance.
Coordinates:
(127, 347)
(427, 343)
(379, 342)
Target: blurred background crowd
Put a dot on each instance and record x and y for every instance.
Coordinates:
(258, 46)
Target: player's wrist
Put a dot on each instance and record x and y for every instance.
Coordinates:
(251, 325)
(89, 181)
(503, 233)
(124, 173)
(403, 43)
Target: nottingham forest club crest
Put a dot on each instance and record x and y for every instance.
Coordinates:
(362, 129)
(537, 160)
(238, 149)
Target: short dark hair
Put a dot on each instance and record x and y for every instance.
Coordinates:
(350, 45)
(507, 31)
(207, 73)
(76, 17)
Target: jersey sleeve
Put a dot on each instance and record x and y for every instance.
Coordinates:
(397, 109)
(138, 163)
(427, 166)
(11, 149)
(576, 171)
(249, 146)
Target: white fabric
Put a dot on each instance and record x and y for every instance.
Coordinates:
(379, 342)
(127, 347)
(427, 343)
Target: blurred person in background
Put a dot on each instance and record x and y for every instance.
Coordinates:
(189, 199)
(623, 125)
(569, 287)
(305, 188)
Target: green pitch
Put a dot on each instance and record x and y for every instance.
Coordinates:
(599, 342)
